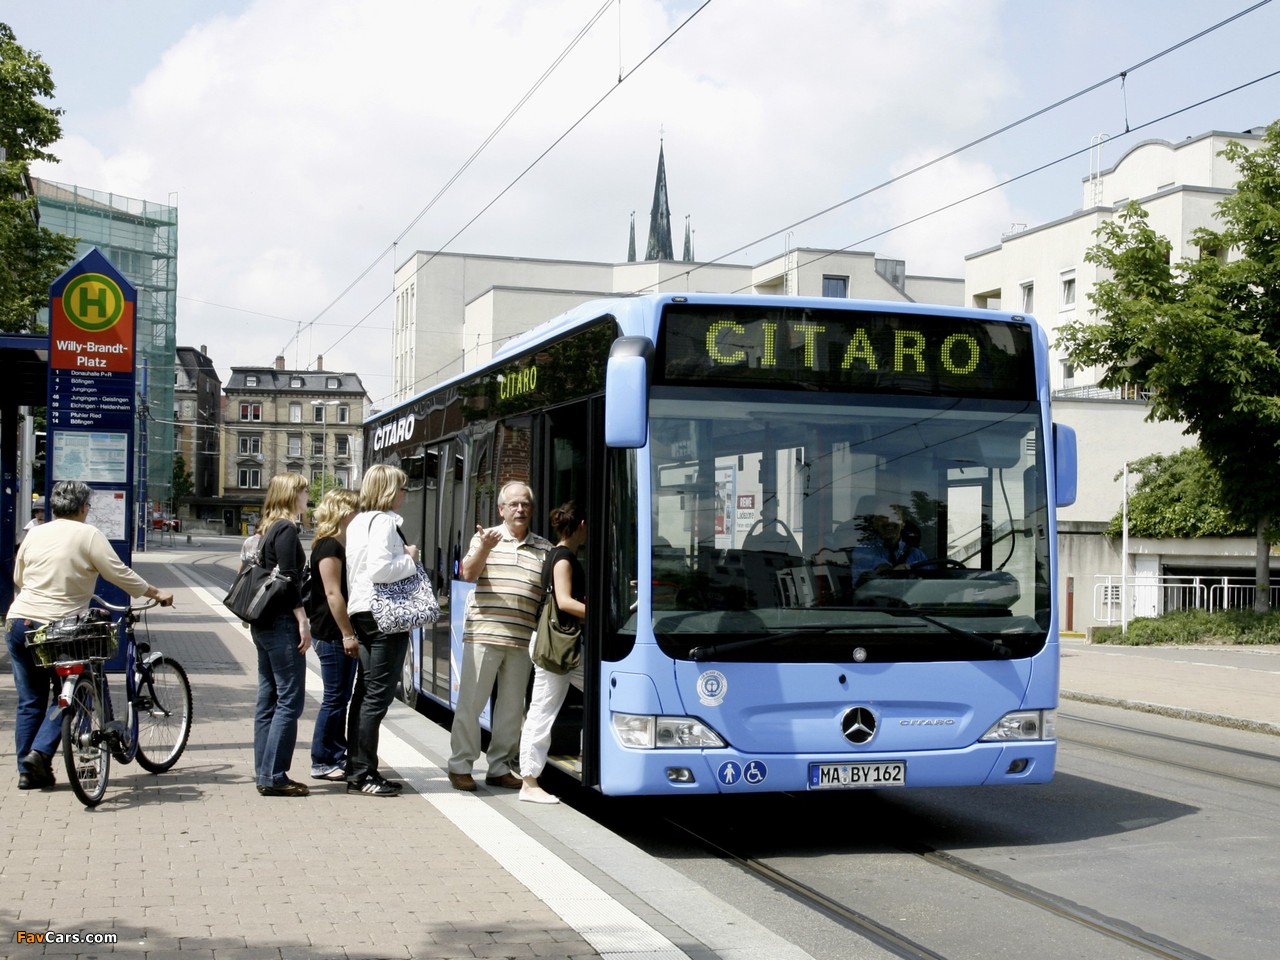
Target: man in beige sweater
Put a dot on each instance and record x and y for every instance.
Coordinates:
(54, 576)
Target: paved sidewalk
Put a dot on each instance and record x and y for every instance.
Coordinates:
(1224, 685)
(194, 865)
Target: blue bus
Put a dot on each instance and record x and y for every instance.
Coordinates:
(822, 542)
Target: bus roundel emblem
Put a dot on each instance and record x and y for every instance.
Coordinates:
(712, 686)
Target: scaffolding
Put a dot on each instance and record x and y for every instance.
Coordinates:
(140, 238)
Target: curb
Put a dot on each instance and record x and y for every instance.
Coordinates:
(1178, 713)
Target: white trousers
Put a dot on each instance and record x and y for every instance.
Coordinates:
(482, 664)
(549, 690)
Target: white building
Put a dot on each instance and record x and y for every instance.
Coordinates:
(452, 310)
(1042, 270)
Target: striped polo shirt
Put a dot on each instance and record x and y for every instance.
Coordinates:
(503, 607)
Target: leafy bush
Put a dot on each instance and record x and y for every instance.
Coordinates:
(1197, 626)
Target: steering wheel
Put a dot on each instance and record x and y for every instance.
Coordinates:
(938, 563)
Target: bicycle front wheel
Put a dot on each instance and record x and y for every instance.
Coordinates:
(84, 744)
(164, 713)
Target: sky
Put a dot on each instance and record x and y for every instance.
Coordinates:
(311, 146)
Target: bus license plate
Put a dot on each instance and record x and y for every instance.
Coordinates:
(825, 776)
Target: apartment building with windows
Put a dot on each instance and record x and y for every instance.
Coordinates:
(1042, 270)
(197, 416)
(277, 420)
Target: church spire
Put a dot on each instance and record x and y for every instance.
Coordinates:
(688, 241)
(660, 216)
(631, 247)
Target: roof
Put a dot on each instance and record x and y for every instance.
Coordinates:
(271, 380)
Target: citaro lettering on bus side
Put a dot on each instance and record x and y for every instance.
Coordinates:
(518, 383)
(728, 343)
(397, 431)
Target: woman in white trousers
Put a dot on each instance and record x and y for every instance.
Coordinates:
(565, 573)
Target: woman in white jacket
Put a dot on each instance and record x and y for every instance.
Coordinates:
(376, 553)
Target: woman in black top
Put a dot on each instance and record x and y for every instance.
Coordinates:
(335, 639)
(562, 570)
(282, 635)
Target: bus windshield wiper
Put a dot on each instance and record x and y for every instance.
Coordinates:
(995, 646)
(706, 653)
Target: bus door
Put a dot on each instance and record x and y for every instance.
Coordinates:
(570, 468)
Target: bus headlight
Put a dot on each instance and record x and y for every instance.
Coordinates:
(1023, 725)
(650, 733)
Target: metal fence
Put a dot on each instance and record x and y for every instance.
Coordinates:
(1150, 596)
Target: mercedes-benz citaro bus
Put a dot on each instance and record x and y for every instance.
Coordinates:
(821, 540)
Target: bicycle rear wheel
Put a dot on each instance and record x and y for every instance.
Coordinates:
(163, 706)
(84, 744)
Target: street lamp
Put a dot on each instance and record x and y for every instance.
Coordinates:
(324, 438)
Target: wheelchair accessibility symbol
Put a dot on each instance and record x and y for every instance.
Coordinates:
(752, 772)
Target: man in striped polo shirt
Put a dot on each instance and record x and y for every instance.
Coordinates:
(505, 563)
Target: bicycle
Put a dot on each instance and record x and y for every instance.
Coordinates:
(158, 704)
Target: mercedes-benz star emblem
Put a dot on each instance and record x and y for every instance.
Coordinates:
(858, 725)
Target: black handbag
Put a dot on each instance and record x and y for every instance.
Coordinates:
(255, 586)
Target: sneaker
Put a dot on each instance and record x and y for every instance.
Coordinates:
(374, 787)
(37, 767)
(328, 772)
(537, 795)
(290, 788)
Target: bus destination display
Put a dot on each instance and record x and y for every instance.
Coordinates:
(846, 350)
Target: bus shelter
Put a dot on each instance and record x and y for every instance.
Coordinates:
(24, 382)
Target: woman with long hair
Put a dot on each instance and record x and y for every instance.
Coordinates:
(335, 638)
(282, 635)
(376, 553)
(564, 573)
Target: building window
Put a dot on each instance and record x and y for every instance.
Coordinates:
(342, 478)
(1068, 374)
(295, 445)
(835, 286)
(250, 443)
(317, 413)
(317, 444)
(250, 380)
(295, 381)
(1068, 298)
(333, 383)
(1028, 298)
(295, 413)
(250, 411)
(344, 414)
(341, 446)
(250, 478)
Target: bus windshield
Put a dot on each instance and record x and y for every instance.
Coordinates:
(816, 527)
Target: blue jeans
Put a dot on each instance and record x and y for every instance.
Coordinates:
(33, 730)
(282, 673)
(381, 657)
(329, 742)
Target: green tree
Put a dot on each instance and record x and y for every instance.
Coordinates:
(1176, 496)
(1203, 334)
(184, 483)
(320, 485)
(31, 257)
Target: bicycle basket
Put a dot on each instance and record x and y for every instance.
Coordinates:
(85, 636)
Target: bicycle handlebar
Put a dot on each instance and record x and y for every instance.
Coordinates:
(146, 604)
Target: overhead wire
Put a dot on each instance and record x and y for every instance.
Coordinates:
(1120, 75)
(457, 173)
(535, 161)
